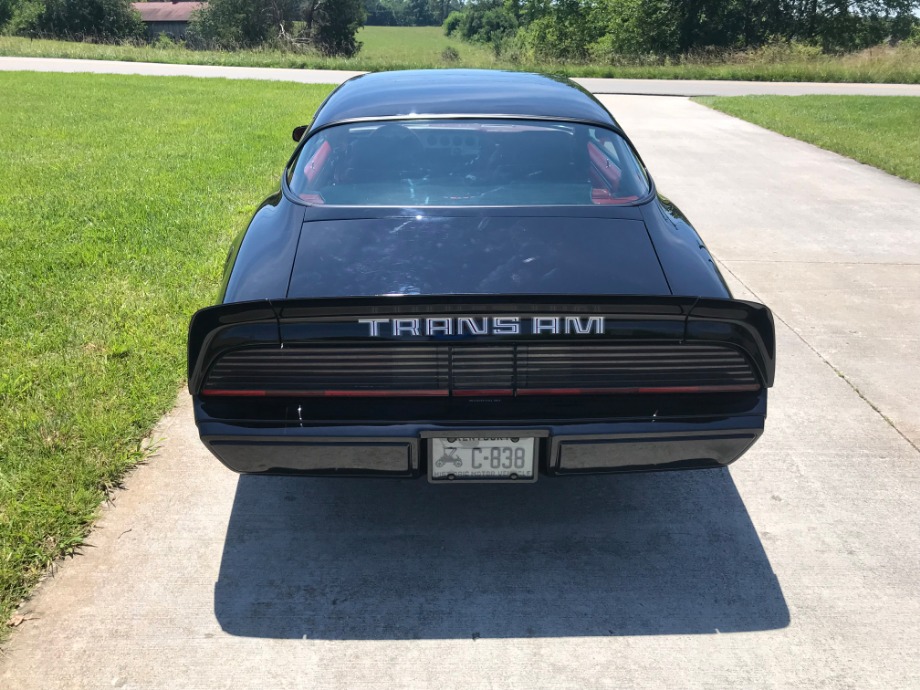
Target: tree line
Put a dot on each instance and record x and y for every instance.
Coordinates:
(328, 26)
(581, 30)
(409, 12)
(561, 30)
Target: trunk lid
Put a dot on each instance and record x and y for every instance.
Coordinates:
(498, 254)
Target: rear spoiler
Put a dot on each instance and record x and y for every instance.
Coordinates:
(747, 326)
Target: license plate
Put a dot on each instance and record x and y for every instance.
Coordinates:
(471, 458)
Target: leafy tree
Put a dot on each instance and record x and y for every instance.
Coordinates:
(849, 24)
(567, 29)
(486, 21)
(6, 12)
(100, 20)
(387, 12)
(583, 29)
(439, 9)
(331, 25)
(243, 23)
(409, 12)
(420, 12)
(452, 23)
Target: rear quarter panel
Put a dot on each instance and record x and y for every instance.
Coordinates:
(686, 262)
(260, 261)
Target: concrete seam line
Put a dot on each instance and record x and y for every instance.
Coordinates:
(821, 263)
(828, 363)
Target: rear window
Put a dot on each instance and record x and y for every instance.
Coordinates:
(467, 163)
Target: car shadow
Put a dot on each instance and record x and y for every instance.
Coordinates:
(638, 554)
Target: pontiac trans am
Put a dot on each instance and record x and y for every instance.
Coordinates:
(470, 276)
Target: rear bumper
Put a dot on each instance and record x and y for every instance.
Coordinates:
(400, 450)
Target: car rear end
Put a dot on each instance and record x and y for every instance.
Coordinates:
(478, 387)
(475, 298)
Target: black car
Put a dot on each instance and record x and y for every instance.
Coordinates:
(470, 275)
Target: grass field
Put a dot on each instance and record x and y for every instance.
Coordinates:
(418, 47)
(878, 130)
(118, 200)
(384, 48)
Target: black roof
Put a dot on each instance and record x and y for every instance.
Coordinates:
(460, 92)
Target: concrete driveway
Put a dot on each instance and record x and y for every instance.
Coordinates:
(795, 568)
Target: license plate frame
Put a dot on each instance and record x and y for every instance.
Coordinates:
(531, 437)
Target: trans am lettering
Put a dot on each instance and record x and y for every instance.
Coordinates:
(487, 325)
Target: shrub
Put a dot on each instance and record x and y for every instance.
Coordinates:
(164, 42)
(563, 37)
(101, 20)
(914, 37)
(25, 17)
(332, 26)
(778, 51)
(231, 24)
(485, 22)
(452, 23)
(6, 12)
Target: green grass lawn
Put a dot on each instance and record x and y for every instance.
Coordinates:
(883, 131)
(118, 200)
(417, 47)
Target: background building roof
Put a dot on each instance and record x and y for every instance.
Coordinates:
(167, 11)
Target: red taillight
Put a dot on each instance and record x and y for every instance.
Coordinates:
(217, 392)
(234, 394)
(382, 394)
(643, 390)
